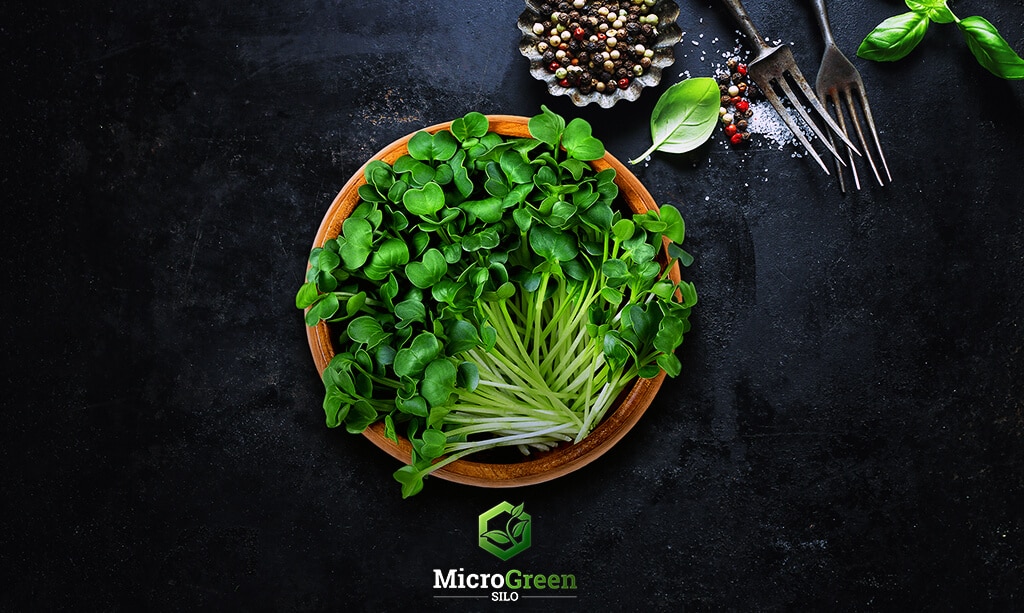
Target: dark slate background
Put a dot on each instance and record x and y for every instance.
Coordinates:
(847, 433)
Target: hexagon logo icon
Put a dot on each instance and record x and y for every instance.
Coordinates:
(505, 531)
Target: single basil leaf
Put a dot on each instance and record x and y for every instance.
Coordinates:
(894, 38)
(684, 116)
(990, 49)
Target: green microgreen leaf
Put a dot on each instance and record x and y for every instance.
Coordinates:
(439, 382)
(412, 360)
(411, 479)
(472, 125)
(429, 271)
(424, 201)
(547, 127)
(579, 142)
(553, 244)
(306, 295)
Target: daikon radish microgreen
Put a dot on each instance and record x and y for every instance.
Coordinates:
(490, 291)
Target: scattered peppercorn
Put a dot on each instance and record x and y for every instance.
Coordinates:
(602, 45)
(735, 109)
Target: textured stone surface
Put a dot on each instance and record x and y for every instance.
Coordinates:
(847, 433)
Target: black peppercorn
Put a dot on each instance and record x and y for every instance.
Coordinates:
(741, 125)
(736, 77)
(548, 57)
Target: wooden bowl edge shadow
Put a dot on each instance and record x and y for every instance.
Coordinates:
(550, 465)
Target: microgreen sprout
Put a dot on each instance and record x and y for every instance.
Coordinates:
(490, 291)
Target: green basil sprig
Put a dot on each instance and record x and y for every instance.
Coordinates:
(897, 36)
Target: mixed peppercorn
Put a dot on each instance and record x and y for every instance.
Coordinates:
(735, 112)
(597, 45)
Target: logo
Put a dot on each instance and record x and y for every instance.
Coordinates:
(505, 531)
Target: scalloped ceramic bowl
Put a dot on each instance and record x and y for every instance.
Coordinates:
(668, 36)
(520, 470)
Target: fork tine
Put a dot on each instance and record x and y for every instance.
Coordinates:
(773, 98)
(860, 135)
(813, 100)
(807, 118)
(837, 108)
(866, 108)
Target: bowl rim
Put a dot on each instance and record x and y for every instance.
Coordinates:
(544, 466)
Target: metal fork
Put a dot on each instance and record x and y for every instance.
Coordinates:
(838, 77)
(770, 68)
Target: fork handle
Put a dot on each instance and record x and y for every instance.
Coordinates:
(745, 23)
(821, 12)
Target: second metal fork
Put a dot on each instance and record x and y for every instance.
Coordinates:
(769, 69)
(837, 85)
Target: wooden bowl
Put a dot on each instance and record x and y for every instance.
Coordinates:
(536, 467)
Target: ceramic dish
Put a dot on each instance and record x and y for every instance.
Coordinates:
(666, 35)
(513, 469)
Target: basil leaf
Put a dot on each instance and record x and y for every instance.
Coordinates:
(894, 38)
(936, 10)
(684, 116)
(990, 49)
